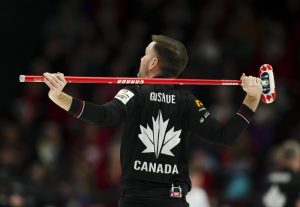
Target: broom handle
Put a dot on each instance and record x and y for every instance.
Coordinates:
(127, 80)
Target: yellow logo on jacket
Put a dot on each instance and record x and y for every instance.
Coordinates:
(199, 103)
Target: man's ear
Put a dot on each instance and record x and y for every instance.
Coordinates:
(153, 63)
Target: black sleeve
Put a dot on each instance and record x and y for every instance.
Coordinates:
(211, 130)
(110, 113)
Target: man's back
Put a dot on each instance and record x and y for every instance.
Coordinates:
(155, 137)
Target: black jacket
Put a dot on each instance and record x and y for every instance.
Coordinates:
(280, 187)
(157, 122)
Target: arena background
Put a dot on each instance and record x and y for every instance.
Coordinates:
(48, 158)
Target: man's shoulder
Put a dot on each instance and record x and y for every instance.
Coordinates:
(142, 89)
(132, 88)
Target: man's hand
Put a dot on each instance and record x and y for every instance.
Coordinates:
(56, 82)
(252, 86)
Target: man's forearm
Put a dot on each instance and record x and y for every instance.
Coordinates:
(63, 100)
(251, 102)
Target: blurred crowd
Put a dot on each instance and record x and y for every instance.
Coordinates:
(49, 158)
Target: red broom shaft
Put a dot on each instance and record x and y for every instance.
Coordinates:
(126, 80)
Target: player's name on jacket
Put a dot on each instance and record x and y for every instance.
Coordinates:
(162, 97)
(155, 167)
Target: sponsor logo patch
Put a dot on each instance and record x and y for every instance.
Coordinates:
(199, 103)
(124, 96)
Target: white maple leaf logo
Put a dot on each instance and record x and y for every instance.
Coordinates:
(158, 140)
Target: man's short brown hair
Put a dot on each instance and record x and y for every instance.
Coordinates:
(171, 54)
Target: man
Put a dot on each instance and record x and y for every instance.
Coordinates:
(281, 185)
(157, 121)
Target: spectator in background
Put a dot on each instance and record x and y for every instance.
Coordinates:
(197, 197)
(49, 146)
(281, 186)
